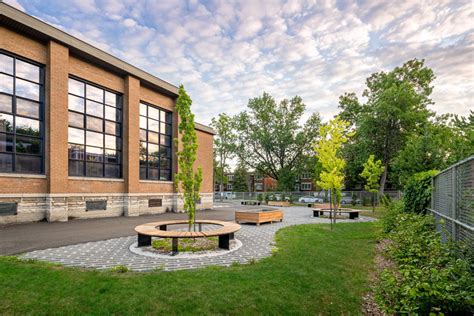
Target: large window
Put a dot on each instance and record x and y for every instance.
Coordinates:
(21, 115)
(95, 131)
(155, 143)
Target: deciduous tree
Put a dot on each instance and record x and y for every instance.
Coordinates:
(328, 149)
(187, 181)
(371, 173)
(271, 138)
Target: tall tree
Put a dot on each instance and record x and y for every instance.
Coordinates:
(332, 136)
(241, 179)
(224, 146)
(396, 108)
(371, 173)
(187, 181)
(271, 138)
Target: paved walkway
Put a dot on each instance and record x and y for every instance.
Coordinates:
(257, 242)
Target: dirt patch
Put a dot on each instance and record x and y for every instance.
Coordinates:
(381, 263)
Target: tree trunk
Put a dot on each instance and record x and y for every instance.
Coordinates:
(383, 179)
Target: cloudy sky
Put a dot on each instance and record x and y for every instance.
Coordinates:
(226, 52)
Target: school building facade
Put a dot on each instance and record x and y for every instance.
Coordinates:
(84, 134)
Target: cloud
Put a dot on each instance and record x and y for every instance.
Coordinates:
(228, 52)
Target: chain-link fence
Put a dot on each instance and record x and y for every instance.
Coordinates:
(348, 197)
(452, 202)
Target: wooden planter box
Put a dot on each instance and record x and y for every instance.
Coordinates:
(278, 203)
(259, 216)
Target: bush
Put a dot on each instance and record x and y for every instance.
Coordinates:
(260, 197)
(354, 199)
(389, 221)
(119, 269)
(417, 192)
(385, 200)
(428, 276)
(365, 201)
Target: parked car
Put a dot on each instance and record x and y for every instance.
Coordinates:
(310, 199)
(347, 199)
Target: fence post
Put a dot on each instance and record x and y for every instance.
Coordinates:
(455, 202)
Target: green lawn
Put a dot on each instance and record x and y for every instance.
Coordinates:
(314, 271)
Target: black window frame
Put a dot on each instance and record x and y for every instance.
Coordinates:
(147, 167)
(41, 114)
(85, 129)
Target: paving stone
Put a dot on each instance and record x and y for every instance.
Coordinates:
(257, 243)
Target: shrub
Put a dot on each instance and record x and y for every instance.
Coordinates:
(417, 192)
(428, 276)
(385, 200)
(365, 201)
(354, 199)
(260, 197)
(389, 221)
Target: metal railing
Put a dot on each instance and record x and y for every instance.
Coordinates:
(452, 202)
(348, 197)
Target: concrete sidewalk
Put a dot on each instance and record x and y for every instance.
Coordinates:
(15, 239)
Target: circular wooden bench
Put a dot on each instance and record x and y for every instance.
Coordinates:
(159, 229)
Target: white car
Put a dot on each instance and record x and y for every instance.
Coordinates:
(310, 199)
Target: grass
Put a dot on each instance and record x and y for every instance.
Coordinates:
(312, 271)
(187, 244)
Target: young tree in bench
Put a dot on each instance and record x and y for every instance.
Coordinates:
(332, 136)
(187, 181)
(371, 173)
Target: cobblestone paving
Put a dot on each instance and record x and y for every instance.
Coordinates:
(257, 243)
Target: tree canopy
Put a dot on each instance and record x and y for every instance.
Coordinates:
(272, 140)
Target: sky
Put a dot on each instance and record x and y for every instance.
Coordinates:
(226, 52)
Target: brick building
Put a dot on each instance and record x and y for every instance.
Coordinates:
(83, 134)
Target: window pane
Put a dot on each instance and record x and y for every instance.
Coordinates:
(153, 137)
(110, 98)
(165, 128)
(76, 120)
(76, 104)
(143, 135)
(165, 152)
(153, 125)
(27, 108)
(153, 173)
(169, 117)
(27, 89)
(143, 109)
(165, 140)
(76, 136)
(5, 103)
(112, 128)
(112, 156)
(94, 108)
(111, 113)
(165, 163)
(143, 173)
(94, 154)
(6, 123)
(143, 122)
(76, 152)
(6, 163)
(28, 145)
(94, 139)
(112, 142)
(76, 168)
(6, 142)
(28, 164)
(94, 169)
(6, 64)
(163, 116)
(153, 150)
(165, 175)
(27, 126)
(95, 124)
(142, 151)
(6, 84)
(153, 161)
(153, 113)
(112, 171)
(95, 93)
(27, 71)
(76, 87)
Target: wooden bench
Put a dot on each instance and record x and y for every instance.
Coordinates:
(250, 202)
(353, 214)
(159, 229)
(279, 203)
(259, 216)
(319, 205)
